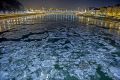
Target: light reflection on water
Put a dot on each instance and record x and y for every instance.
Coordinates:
(103, 23)
(6, 24)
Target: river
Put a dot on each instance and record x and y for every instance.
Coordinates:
(59, 47)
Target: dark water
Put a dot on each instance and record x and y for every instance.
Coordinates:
(59, 47)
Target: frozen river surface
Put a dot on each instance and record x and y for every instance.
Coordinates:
(58, 47)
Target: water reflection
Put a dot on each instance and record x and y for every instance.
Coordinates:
(6, 24)
(102, 23)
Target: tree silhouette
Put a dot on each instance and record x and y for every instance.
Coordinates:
(10, 5)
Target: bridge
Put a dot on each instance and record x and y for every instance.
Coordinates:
(35, 12)
(61, 11)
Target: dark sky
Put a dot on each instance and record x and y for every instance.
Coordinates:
(68, 3)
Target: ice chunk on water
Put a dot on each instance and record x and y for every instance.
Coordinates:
(3, 75)
(115, 71)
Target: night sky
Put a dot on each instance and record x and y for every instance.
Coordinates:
(68, 3)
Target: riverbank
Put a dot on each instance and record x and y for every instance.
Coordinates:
(100, 17)
(104, 22)
(17, 15)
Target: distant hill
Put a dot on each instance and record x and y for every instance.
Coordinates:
(117, 5)
(10, 5)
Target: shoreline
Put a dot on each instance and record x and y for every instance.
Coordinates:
(17, 15)
(104, 19)
(101, 18)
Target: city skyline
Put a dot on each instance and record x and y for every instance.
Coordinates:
(68, 4)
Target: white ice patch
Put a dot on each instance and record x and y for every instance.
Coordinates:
(115, 71)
